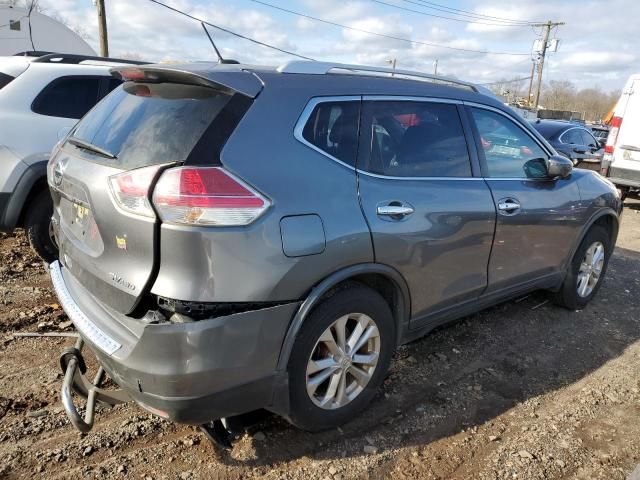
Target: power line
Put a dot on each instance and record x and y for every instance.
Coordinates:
(516, 64)
(447, 18)
(504, 81)
(469, 13)
(368, 32)
(230, 32)
(514, 23)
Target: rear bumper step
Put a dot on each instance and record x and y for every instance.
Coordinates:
(624, 176)
(74, 369)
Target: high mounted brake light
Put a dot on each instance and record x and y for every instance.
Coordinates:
(132, 74)
(206, 196)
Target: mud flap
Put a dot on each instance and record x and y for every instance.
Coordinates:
(74, 369)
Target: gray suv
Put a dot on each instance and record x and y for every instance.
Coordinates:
(235, 237)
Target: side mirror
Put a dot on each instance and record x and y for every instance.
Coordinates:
(559, 167)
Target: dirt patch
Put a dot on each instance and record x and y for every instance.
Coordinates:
(522, 390)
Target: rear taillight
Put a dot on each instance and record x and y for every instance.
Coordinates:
(206, 196)
(616, 122)
(131, 190)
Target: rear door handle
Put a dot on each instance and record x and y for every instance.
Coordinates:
(395, 210)
(508, 206)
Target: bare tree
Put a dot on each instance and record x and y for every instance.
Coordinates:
(593, 103)
(131, 56)
(559, 95)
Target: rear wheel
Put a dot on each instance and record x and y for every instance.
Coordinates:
(587, 270)
(624, 193)
(38, 225)
(340, 358)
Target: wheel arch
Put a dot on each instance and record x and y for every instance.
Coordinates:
(606, 218)
(381, 278)
(31, 183)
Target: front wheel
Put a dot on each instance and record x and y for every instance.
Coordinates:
(340, 358)
(587, 270)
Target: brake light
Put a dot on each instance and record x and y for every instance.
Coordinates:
(206, 196)
(616, 123)
(131, 190)
(132, 74)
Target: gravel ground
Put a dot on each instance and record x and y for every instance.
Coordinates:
(523, 390)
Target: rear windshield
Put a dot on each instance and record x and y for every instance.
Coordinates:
(5, 79)
(145, 124)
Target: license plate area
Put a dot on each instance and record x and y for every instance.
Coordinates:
(79, 223)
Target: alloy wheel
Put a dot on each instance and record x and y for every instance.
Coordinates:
(343, 361)
(590, 269)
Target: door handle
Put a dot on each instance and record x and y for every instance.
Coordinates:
(395, 210)
(508, 206)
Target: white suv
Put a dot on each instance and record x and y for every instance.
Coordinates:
(621, 161)
(41, 99)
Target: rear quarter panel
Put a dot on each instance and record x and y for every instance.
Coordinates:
(247, 264)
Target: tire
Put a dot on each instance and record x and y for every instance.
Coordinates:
(569, 295)
(361, 304)
(37, 224)
(624, 193)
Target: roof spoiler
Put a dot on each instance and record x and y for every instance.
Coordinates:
(227, 77)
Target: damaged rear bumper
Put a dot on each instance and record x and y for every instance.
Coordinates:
(191, 372)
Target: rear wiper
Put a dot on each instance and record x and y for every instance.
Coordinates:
(91, 147)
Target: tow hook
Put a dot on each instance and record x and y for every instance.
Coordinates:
(222, 432)
(74, 369)
(218, 434)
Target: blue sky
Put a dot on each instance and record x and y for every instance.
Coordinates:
(599, 46)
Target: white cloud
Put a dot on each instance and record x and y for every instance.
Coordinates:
(599, 43)
(598, 60)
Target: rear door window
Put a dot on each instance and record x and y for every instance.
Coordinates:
(572, 137)
(587, 139)
(333, 128)
(416, 139)
(68, 97)
(146, 124)
(508, 150)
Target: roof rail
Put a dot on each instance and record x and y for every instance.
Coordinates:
(76, 59)
(32, 53)
(322, 68)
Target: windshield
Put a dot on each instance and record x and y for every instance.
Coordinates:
(146, 124)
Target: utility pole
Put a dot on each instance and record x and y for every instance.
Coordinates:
(102, 28)
(545, 41)
(435, 67)
(533, 69)
(392, 61)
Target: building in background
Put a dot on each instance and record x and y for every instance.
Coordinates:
(20, 32)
